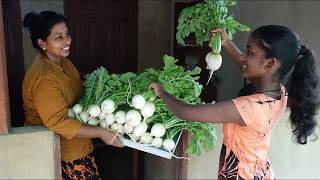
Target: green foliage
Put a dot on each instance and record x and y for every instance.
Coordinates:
(183, 84)
(203, 17)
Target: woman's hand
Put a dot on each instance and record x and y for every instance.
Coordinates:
(110, 137)
(224, 36)
(157, 87)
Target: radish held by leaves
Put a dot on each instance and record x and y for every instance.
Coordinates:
(214, 62)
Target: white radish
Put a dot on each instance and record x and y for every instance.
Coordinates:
(110, 119)
(158, 130)
(120, 117)
(117, 127)
(77, 108)
(127, 128)
(138, 101)
(71, 114)
(84, 116)
(102, 115)
(93, 121)
(103, 123)
(94, 110)
(148, 110)
(108, 106)
(133, 117)
(168, 144)
(214, 62)
(156, 142)
(140, 129)
(146, 138)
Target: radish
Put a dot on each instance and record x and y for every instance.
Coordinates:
(140, 129)
(84, 116)
(117, 127)
(71, 114)
(146, 138)
(138, 101)
(156, 142)
(110, 119)
(77, 108)
(103, 123)
(102, 116)
(213, 58)
(158, 130)
(127, 128)
(214, 62)
(108, 106)
(168, 144)
(120, 117)
(133, 117)
(93, 121)
(148, 110)
(94, 111)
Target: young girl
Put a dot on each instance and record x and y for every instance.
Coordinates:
(272, 52)
(51, 85)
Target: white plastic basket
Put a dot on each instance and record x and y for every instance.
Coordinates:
(149, 149)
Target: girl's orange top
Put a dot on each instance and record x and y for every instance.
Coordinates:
(246, 148)
(48, 90)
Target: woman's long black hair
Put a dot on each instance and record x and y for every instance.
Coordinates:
(303, 84)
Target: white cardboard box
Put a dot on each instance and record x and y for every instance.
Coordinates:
(149, 149)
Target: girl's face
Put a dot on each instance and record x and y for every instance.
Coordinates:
(57, 44)
(254, 61)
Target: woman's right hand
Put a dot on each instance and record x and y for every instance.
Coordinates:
(110, 137)
(224, 36)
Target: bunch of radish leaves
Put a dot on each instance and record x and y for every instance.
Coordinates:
(179, 82)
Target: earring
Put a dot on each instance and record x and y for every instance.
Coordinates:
(266, 68)
(44, 48)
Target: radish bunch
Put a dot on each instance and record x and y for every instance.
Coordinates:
(133, 122)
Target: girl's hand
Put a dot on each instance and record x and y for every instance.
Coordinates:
(157, 87)
(224, 36)
(110, 137)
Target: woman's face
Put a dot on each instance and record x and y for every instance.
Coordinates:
(253, 62)
(57, 44)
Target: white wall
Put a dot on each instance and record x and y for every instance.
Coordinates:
(26, 6)
(289, 160)
(30, 152)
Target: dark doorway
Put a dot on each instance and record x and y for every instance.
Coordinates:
(15, 60)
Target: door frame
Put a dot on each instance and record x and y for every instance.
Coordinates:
(5, 120)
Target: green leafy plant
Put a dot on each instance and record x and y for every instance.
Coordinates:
(100, 85)
(203, 17)
(200, 19)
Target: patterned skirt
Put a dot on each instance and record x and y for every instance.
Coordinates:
(83, 168)
(230, 167)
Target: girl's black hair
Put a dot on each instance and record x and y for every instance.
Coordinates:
(302, 86)
(40, 25)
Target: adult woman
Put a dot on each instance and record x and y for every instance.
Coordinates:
(51, 85)
(272, 51)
